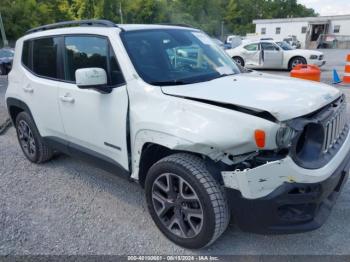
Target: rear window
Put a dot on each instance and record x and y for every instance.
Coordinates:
(45, 57)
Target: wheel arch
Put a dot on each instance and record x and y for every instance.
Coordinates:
(152, 153)
(16, 106)
(293, 57)
(240, 57)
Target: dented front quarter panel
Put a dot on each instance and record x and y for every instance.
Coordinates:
(185, 125)
(262, 180)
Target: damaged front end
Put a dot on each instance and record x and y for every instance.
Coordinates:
(294, 189)
(308, 143)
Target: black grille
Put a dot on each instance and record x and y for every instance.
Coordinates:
(335, 127)
(323, 135)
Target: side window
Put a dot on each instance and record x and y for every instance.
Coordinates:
(26, 53)
(252, 47)
(269, 47)
(336, 29)
(45, 57)
(263, 30)
(278, 30)
(90, 51)
(303, 30)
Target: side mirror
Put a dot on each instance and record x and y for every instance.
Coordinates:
(92, 78)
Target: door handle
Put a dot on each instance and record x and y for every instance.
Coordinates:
(67, 98)
(28, 89)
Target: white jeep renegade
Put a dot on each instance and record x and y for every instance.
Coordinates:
(165, 106)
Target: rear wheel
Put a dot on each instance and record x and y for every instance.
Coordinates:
(2, 70)
(297, 61)
(30, 140)
(238, 60)
(185, 201)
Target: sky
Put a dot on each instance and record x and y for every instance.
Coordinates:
(328, 7)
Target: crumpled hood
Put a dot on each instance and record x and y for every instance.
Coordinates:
(283, 97)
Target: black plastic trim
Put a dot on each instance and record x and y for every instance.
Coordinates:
(87, 155)
(112, 146)
(17, 103)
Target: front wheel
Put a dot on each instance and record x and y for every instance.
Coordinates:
(2, 70)
(238, 60)
(186, 203)
(297, 61)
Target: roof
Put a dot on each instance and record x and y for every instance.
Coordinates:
(102, 24)
(302, 19)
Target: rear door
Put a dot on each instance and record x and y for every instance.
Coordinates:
(272, 55)
(39, 85)
(95, 123)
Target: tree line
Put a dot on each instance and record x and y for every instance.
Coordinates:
(235, 16)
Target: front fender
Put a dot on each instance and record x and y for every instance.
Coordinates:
(171, 142)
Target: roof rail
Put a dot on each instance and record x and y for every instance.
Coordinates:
(92, 22)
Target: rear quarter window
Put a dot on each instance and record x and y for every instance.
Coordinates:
(252, 47)
(26, 54)
(45, 57)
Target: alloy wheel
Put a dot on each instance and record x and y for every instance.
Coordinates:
(177, 205)
(26, 138)
(297, 61)
(238, 61)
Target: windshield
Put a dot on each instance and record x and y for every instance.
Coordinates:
(285, 46)
(176, 56)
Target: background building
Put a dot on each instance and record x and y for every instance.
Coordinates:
(310, 31)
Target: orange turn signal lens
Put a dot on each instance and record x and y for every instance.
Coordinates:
(260, 138)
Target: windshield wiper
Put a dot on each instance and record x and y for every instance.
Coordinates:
(223, 75)
(168, 83)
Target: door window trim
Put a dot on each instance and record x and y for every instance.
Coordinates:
(61, 58)
(31, 49)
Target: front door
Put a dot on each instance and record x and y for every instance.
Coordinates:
(94, 122)
(252, 55)
(272, 55)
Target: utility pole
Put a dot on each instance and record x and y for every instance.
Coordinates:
(222, 30)
(2, 29)
(121, 12)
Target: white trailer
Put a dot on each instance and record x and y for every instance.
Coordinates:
(307, 29)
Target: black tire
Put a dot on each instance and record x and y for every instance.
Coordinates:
(2, 70)
(295, 61)
(238, 60)
(32, 143)
(212, 203)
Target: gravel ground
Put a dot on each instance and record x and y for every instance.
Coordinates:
(70, 207)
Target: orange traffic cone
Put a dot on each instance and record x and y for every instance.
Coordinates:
(346, 78)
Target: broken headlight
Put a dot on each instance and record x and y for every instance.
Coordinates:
(284, 136)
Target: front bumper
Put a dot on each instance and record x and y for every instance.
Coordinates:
(319, 63)
(261, 181)
(292, 207)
